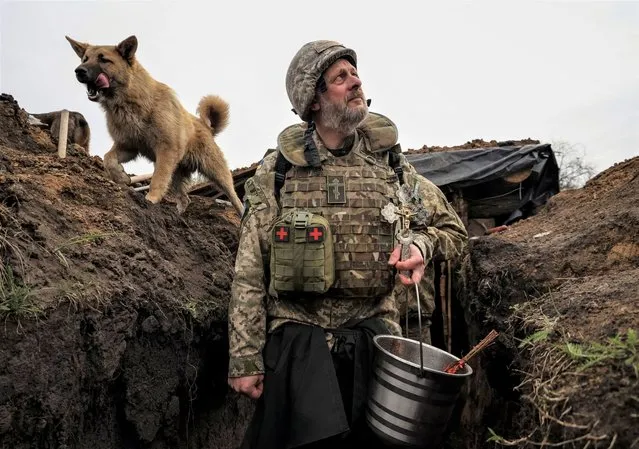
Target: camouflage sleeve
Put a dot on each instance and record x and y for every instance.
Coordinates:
(247, 308)
(445, 236)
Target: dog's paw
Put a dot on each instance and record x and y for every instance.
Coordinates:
(153, 198)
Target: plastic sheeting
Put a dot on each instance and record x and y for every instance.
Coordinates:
(459, 170)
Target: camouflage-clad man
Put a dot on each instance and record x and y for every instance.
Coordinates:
(316, 264)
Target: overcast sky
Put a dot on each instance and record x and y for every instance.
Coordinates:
(444, 72)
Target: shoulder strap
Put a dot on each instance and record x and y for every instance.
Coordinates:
(395, 162)
(281, 167)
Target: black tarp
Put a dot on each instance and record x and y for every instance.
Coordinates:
(480, 172)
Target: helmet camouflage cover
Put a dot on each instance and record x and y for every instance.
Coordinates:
(307, 67)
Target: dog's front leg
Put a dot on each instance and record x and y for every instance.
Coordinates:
(113, 160)
(166, 162)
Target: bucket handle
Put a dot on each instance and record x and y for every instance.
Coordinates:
(405, 241)
(419, 324)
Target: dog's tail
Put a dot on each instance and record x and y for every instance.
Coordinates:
(215, 113)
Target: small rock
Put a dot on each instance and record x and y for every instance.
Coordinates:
(173, 410)
(6, 417)
(150, 324)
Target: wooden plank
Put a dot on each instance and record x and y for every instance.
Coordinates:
(140, 178)
(64, 131)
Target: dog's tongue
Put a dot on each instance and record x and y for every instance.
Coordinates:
(102, 82)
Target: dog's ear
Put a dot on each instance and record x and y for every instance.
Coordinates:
(127, 48)
(79, 47)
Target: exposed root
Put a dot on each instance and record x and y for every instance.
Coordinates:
(550, 379)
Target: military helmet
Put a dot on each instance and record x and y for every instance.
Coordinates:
(307, 67)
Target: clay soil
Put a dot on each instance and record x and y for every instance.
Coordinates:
(113, 330)
(474, 144)
(563, 289)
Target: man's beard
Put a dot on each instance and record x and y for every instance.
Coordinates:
(340, 117)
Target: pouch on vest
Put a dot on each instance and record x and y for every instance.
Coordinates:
(302, 257)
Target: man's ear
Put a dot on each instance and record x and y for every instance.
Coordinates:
(127, 48)
(79, 47)
(315, 106)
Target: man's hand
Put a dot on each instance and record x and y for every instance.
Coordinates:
(252, 386)
(414, 263)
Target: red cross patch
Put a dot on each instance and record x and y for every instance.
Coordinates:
(315, 234)
(282, 233)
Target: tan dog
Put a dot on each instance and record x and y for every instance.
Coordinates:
(144, 117)
(78, 130)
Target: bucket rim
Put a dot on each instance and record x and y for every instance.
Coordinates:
(417, 365)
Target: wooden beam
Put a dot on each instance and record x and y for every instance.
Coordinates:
(64, 132)
(140, 178)
(518, 177)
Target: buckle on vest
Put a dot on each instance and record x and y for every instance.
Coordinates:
(301, 219)
(370, 159)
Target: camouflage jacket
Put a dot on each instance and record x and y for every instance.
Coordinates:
(254, 310)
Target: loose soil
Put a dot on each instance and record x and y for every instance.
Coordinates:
(474, 144)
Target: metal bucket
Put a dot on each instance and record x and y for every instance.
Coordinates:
(411, 398)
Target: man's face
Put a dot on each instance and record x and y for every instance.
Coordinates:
(343, 106)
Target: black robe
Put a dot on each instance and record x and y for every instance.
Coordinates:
(313, 394)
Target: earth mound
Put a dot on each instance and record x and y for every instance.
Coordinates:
(562, 288)
(113, 309)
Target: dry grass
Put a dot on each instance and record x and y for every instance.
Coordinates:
(16, 298)
(556, 370)
(81, 240)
